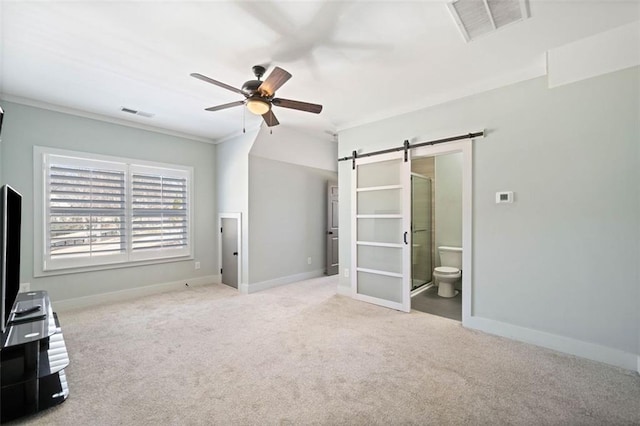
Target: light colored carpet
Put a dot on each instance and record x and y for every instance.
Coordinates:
(300, 354)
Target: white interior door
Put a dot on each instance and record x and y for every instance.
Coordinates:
(229, 235)
(381, 227)
(230, 248)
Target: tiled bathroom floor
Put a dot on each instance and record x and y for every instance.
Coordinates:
(428, 301)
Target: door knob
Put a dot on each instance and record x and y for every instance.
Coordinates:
(329, 233)
(235, 253)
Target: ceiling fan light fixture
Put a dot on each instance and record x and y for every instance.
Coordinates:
(258, 106)
(260, 95)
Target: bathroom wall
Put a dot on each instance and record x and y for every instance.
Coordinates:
(448, 201)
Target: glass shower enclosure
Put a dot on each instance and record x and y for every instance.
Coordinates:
(421, 232)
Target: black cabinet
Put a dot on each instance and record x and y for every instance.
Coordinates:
(33, 358)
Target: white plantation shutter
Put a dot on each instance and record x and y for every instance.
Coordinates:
(85, 212)
(105, 212)
(160, 211)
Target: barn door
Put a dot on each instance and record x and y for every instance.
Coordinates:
(381, 225)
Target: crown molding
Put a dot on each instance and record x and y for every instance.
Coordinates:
(94, 116)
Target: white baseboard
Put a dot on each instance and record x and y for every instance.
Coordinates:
(132, 293)
(343, 290)
(276, 282)
(568, 345)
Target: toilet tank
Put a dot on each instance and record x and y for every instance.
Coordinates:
(450, 256)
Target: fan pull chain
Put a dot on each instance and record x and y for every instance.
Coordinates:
(244, 113)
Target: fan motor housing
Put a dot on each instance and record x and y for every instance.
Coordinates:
(250, 87)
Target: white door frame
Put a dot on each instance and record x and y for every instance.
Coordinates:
(466, 148)
(238, 217)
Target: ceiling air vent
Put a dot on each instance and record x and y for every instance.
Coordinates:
(479, 17)
(136, 112)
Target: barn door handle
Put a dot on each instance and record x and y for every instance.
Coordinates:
(405, 238)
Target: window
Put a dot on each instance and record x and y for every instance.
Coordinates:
(159, 211)
(111, 211)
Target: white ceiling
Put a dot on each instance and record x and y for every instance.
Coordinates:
(362, 60)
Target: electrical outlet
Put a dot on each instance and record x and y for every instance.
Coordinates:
(197, 265)
(308, 261)
(346, 273)
(25, 287)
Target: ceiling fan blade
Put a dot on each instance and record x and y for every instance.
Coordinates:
(276, 79)
(270, 118)
(224, 106)
(217, 83)
(301, 106)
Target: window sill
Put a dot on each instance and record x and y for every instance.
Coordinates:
(39, 273)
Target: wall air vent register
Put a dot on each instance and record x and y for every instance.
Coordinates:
(136, 112)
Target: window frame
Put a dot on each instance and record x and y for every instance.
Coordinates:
(43, 266)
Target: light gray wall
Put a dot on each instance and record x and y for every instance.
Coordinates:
(448, 201)
(1, 156)
(26, 127)
(245, 183)
(2, 182)
(288, 214)
(232, 183)
(563, 259)
(291, 146)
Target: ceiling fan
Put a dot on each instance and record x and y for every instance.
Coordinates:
(259, 95)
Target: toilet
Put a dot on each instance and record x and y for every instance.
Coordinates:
(449, 273)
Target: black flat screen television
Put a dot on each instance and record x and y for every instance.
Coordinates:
(11, 209)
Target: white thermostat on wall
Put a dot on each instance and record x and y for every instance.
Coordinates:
(504, 197)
